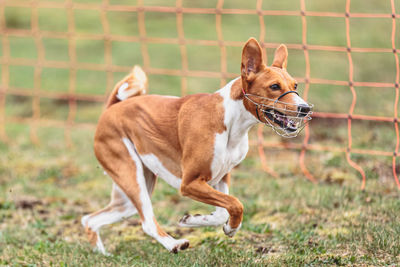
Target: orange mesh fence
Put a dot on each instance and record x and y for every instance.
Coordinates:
(179, 10)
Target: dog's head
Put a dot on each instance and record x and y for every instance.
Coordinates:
(270, 92)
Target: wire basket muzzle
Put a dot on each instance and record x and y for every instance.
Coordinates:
(286, 119)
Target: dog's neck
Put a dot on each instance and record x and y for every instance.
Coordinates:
(238, 120)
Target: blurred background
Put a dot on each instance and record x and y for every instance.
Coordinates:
(60, 59)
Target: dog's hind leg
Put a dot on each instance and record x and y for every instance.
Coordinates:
(216, 218)
(127, 170)
(143, 204)
(120, 207)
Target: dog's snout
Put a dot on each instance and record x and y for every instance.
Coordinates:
(303, 109)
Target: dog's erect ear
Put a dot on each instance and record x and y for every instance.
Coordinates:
(280, 58)
(252, 59)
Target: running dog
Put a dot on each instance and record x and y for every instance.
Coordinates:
(191, 142)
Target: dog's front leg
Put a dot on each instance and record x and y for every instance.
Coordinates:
(216, 218)
(198, 189)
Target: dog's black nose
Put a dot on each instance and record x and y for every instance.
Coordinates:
(303, 110)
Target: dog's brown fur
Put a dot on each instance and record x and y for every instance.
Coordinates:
(181, 133)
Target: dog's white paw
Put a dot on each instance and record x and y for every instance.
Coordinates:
(196, 220)
(185, 221)
(216, 218)
(181, 244)
(229, 231)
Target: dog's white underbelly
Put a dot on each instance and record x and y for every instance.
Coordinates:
(225, 158)
(154, 164)
(227, 155)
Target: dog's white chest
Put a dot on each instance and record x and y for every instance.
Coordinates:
(227, 154)
(232, 145)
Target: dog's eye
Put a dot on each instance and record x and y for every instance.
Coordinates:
(295, 86)
(275, 87)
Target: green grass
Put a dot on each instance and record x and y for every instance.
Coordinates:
(45, 189)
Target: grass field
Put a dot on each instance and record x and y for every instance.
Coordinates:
(45, 189)
(287, 221)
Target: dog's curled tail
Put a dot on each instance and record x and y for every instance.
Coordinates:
(134, 84)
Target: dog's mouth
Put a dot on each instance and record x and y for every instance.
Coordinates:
(286, 119)
(288, 123)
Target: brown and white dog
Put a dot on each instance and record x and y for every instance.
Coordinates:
(192, 142)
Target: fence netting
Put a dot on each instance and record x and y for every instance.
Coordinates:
(39, 60)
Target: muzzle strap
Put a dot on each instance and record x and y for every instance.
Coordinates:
(258, 116)
(282, 95)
